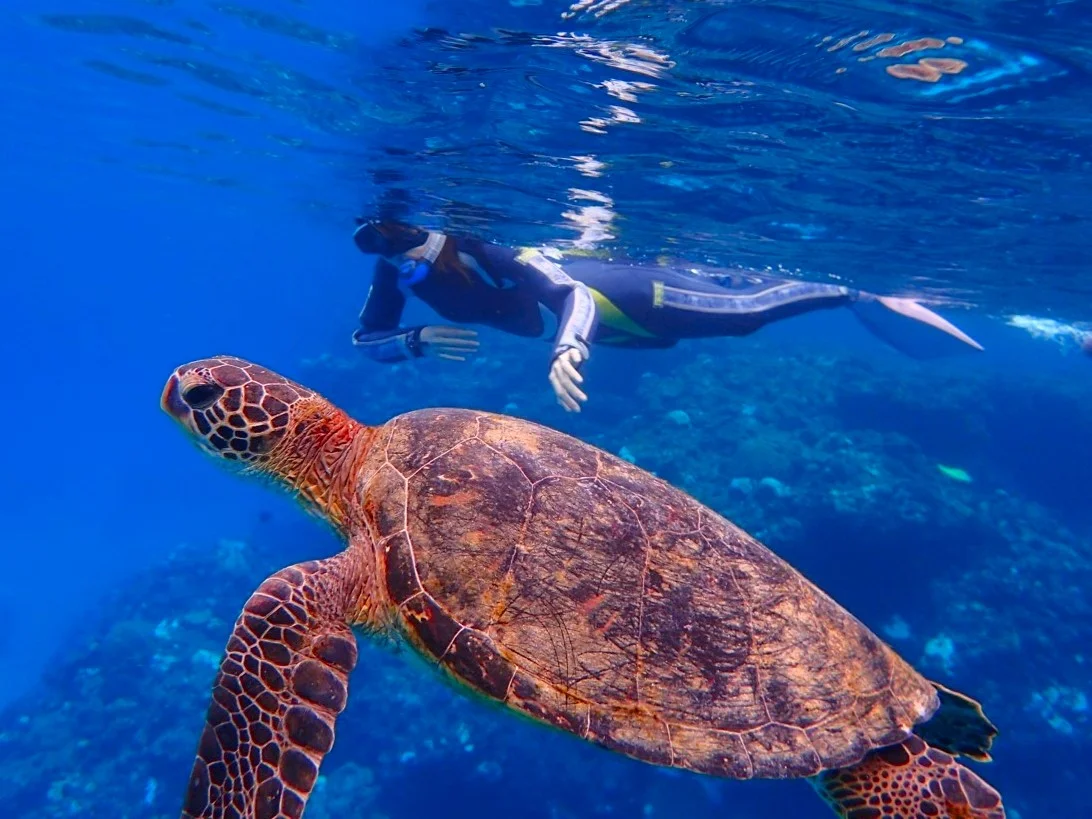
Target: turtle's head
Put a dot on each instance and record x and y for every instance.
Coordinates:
(236, 410)
(258, 420)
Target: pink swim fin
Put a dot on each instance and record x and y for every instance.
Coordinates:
(911, 328)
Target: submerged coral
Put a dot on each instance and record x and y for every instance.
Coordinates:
(833, 462)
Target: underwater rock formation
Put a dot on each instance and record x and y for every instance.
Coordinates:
(900, 492)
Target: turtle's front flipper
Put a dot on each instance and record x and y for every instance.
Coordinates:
(912, 780)
(281, 685)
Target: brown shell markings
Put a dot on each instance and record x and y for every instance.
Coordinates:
(576, 588)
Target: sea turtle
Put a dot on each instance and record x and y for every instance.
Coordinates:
(563, 582)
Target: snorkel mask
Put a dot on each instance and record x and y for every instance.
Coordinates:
(392, 239)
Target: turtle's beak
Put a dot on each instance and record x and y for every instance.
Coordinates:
(171, 401)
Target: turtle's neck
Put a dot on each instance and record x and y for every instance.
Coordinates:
(319, 460)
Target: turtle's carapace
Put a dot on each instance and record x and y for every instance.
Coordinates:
(564, 583)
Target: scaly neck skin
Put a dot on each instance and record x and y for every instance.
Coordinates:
(319, 459)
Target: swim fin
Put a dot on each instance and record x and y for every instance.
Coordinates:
(911, 328)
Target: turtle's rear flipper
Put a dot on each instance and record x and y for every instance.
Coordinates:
(911, 328)
(958, 727)
(912, 780)
(280, 687)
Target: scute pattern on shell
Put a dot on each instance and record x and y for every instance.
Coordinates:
(588, 594)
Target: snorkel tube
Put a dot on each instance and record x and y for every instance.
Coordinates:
(390, 240)
(415, 271)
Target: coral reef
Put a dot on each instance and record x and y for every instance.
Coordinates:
(902, 493)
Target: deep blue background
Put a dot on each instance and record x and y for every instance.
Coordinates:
(140, 230)
(114, 277)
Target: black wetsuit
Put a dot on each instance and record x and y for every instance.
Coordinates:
(519, 292)
(657, 305)
(636, 305)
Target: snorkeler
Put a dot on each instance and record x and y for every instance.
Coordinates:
(590, 300)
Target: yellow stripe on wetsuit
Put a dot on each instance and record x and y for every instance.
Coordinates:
(609, 314)
(614, 318)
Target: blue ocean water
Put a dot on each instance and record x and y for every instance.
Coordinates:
(181, 181)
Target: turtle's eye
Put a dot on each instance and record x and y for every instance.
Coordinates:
(201, 396)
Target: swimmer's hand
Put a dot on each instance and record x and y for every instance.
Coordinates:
(564, 377)
(452, 343)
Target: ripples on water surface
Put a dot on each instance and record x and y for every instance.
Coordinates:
(900, 146)
(938, 148)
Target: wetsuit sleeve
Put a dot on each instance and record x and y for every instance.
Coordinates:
(379, 335)
(568, 299)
